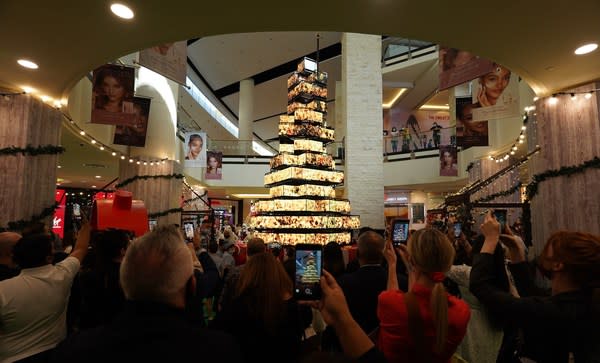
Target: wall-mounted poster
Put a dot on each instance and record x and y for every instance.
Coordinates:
(168, 59)
(468, 132)
(448, 160)
(195, 149)
(135, 134)
(112, 95)
(459, 66)
(495, 95)
(214, 165)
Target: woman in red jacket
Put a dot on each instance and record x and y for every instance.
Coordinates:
(425, 324)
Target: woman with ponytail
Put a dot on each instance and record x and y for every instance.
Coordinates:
(426, 324)
(556, 328)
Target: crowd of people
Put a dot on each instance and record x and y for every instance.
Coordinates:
(160, 297)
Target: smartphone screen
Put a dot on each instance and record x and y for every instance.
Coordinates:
(457, 230)
(152, 223)
(189, 230)
(500, 215)
(309, 261)
(400, 231)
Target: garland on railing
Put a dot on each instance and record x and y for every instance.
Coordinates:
(20, 225)
(164, 213)
(504, 193)
(144, 177)
(33, 150)
(532, 188)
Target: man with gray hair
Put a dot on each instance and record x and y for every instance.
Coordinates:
(8, 267)
(158, 281)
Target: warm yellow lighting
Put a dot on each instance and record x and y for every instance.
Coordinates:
(553, 100)
(131, 160)
(27, 89)
(82, 133)
(93, 141)
(122, 11)
(434, 107)
(122, 157)
(588, 95)
(523, 127)
(587, 48)
(114, 153)
(396, 97)
(535, 98)
(251, 196)
(45, 98)
(27, 64)
(521, 141)
(101, 147)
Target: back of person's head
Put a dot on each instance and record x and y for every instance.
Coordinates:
(289, 251)
(213, 247)
(156, 267)
(432, 253)
(33, 250)
(370, 247)
(7, 242)
(110, 244)
(333, 259)
(578, 252)
(227, 233)
(35, 228)
(275, 249)
(266, 285)
(255, 246)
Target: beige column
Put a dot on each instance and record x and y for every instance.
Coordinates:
(246, 112)
(27, 182)
(568, 133)
(362, 113)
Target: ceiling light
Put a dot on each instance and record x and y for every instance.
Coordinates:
(93, 186)
(152, 163)
(27, 89)
(553, 100)
(521, 136)
(101, 147)
(145, 163)
(512, 152)
(434, 107)
(122, 157)
(131, 160)
(59, 166)
(491, 157)
(523, 127)
(57, 104)
(122, 11)
(98, 176)
(396, 97)
(585, 49)
(521, 141)
(81, 132)
(573, 96)
(514, 148)
(506, 157)
(138, 163)
(114, 153)
(163, 161)
(250, 195)
(588, 95)
(27, 64)
(45, 98)
(93, 141)
(535, 98)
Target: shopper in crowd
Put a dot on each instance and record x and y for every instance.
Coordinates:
(263, 315)
(333, 259)
(425, 324)
(228, 262)
(555, 327)
(33, 305)
(8, 267)
(157, 279)
(101, 295)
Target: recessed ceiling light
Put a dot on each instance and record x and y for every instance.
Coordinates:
(27, 64)
(122, 11)
(98, 177)
(585, 49)
(93, 186)
(59, 166)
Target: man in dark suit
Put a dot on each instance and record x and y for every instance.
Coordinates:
(158, 280)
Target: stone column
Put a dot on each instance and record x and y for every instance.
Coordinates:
(362, 113)
(158, 194)
(246, 113)
(27, 182)
(568, 133)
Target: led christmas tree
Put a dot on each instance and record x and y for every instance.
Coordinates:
(303, 207)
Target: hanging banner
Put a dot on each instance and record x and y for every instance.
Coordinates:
(448, 160)
(495, 95)
(214, 165)
(168, 59)
(135, 133)
(112, 95)
(195, 149)
(58, 221)
(459, 66)
(468, 132)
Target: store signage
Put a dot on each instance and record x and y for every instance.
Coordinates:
(58, 221)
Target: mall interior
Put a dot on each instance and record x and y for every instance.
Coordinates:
(382, 61)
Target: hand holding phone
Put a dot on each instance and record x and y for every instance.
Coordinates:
(309, 264)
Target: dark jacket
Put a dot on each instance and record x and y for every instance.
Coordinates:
(148, 332)
(101, 295)
(552, 326)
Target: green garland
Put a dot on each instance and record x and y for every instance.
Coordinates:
(20, 225)
(504, 193)
(164, 213)
(145, 177)
(33, 150)
(532, 188)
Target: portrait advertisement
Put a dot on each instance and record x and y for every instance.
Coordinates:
(468, 132)
(112, 95)
(214, 165)
(167, 59)
(448, 160)
(195, 149)
(135, 134)
(459, 66)
(495, 95)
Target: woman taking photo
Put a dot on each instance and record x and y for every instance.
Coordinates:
(559, 327)
(425, 324)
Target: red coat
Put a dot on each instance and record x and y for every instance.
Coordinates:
(394, 340)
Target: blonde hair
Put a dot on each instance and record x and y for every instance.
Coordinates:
(431, 251)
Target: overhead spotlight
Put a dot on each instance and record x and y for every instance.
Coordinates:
(82, 133)
(491, 157)
(122, 157)
(523, 127)
(163, 161)
(114, 153)
(588, 95)
(122, 11)
(93, 141)
(587, 48)
(27, 64)
(506, 157)
(553, 100)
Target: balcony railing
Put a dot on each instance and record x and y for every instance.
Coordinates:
(425, 140)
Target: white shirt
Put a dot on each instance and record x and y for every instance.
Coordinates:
(33, 309)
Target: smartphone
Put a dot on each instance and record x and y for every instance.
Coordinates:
(457, 229)
(189, 230)
(152, 224)
(307, 281)
(500, 215)
(400, 231)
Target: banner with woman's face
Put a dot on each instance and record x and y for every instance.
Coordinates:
(195, 149)
(495, 95)
(468, 132)
(112, 95)
(167, 59)
(459, 66)
(135, 135)
(214, 165)
(448, 160)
